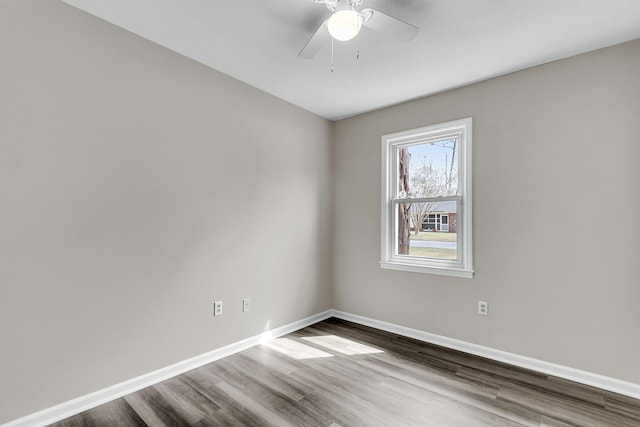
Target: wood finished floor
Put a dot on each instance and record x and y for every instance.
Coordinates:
(337, 373)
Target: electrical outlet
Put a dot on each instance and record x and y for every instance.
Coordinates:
(483, 308)
(246, 305)
(217, 308)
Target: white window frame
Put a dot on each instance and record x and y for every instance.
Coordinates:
(463, 265)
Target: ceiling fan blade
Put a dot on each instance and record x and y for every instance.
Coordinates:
(316, 41)
(388, 25)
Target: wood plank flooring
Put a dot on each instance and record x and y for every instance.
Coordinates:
(338, 374)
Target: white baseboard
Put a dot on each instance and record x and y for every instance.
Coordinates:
(579, 376)
(80, 404)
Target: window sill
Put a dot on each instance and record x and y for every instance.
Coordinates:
(441, 271)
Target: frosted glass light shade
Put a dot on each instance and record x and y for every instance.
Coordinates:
(344, 24)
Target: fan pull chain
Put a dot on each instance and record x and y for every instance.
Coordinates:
(358, 46)
(332, 54)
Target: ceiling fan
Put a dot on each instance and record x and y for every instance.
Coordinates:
(346, 22)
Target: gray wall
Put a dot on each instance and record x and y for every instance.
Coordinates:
(556, 208)
(136, 187)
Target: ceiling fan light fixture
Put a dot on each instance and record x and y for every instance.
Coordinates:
(344, 24)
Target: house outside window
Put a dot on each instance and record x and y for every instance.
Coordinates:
(426, 200)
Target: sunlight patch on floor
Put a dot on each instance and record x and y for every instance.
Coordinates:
(295, 349)
(342, 345)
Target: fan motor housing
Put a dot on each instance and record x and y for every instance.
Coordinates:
(335, 5)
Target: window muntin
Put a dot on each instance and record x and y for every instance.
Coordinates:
(426, 200)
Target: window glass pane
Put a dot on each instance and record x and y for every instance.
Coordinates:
(404, 223)
(428, 169)
(427, 230)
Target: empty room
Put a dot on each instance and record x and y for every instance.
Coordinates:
(319, 213)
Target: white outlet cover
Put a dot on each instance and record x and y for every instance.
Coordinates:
(217, 308)
(483, 308)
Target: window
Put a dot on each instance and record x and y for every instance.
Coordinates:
(426, 200)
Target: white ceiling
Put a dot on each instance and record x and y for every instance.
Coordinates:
(460, 42)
